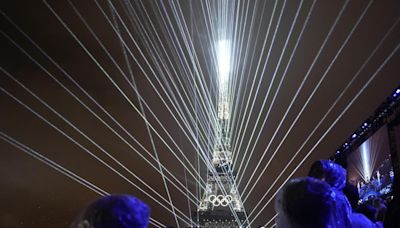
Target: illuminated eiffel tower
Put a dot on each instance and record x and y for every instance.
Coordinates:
(221, 205)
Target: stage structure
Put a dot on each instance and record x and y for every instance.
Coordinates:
(221, 205)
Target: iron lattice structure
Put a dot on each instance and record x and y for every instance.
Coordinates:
(221, 205)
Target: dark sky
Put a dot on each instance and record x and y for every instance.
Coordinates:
(315, 98)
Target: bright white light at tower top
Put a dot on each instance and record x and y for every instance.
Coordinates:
(223, 58)
(366, 162)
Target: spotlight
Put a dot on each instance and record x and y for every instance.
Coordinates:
(365, 159)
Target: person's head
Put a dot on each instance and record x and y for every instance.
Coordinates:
(118, 211)
(305, 202)
(379, 206)
(330, 172)
(317, 170)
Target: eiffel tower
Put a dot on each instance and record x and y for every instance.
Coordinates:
(221, 205)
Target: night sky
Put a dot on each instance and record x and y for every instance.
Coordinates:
(84, 114)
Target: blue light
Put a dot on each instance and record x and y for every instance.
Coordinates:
(354, 136)
(396, 93)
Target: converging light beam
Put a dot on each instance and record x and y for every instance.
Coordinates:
(365, 162)
(223, 58)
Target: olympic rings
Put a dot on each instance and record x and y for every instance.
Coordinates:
(220, 200)
(229, 198)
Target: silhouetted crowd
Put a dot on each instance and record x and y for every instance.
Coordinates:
(323, 199)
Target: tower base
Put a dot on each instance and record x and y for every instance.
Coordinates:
(218, 219)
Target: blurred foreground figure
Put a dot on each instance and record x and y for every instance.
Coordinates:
(331, 173)
(116, 211)
(306, 203)
(335, 176)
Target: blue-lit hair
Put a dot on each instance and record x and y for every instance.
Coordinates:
(117, 211)
(330, 172)
(309, 202)
(334, 175)
(312, 203)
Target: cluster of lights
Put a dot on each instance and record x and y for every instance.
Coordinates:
(216, 222)
(219, 220)
(372, 124)
(396, 93)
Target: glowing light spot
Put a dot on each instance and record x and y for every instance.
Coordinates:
(224, 59)
(365, 162)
